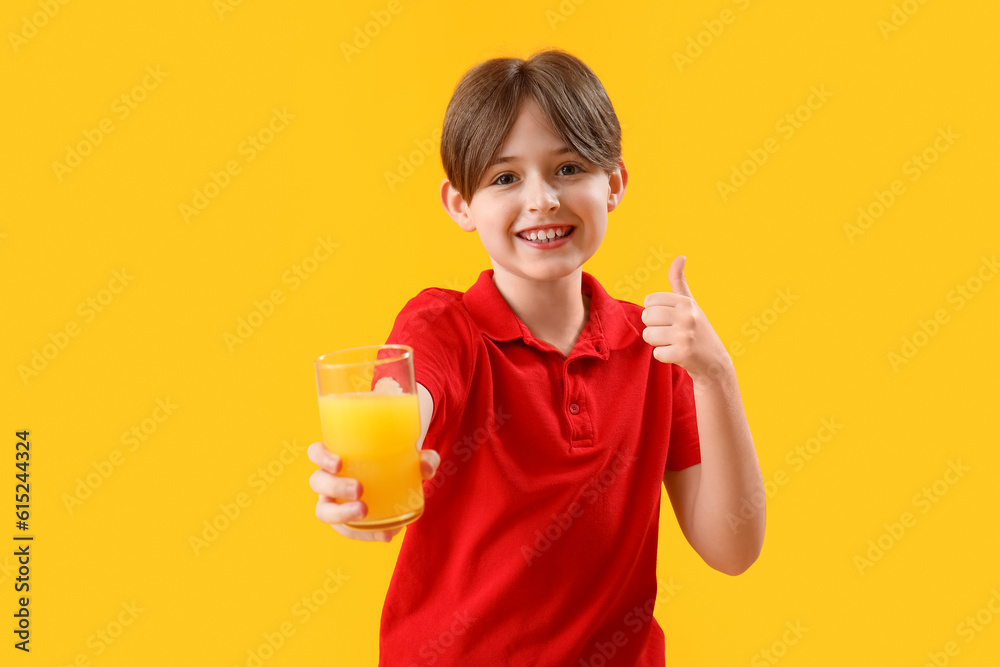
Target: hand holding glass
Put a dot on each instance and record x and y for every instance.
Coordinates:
(370, 418)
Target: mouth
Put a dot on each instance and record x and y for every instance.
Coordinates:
(546, 235)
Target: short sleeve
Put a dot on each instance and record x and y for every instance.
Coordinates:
(434, 324)
(685, 448)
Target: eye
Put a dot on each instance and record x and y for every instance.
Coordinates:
(576, 169)
(503, 175)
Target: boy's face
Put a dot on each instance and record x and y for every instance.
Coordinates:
(545, 190)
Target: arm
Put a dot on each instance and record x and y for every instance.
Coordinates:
(719, 503)
(426, 410)
(710, 499)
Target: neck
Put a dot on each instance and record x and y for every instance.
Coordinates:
(554, 311)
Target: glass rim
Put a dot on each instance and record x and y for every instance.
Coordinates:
(406, 352)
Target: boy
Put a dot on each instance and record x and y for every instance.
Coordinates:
(553, 411)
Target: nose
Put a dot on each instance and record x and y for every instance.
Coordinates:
(541, 196)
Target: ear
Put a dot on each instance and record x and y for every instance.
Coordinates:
(617, 180)
(456, 207)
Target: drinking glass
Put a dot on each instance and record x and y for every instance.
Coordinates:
(371, 419)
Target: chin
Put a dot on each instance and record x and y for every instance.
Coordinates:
(542, 270)
(551, 273)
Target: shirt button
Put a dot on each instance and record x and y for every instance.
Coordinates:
(574, 408)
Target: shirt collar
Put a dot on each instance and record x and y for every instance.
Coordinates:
(608, 327)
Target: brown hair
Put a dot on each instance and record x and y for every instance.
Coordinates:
(488, 99)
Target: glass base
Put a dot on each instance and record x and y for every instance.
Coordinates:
(386, 524)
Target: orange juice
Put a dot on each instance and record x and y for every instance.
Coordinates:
(376, 436)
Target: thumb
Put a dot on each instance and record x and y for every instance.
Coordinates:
(678, 285)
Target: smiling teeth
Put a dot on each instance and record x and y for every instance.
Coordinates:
(546, 235)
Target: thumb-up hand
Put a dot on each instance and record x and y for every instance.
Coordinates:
(679, 331)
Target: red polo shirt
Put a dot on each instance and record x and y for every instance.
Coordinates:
(537, 545)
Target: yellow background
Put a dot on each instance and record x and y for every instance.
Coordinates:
(323, 176)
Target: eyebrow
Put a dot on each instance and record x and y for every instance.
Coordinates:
(512, 158)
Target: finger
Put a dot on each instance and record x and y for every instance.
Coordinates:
(334, 486)
(662, 299)
(429, 462)
(678, 283)
(658, 336)
(333, 513)
(323, 457)
(659, 316)
(667, 354)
